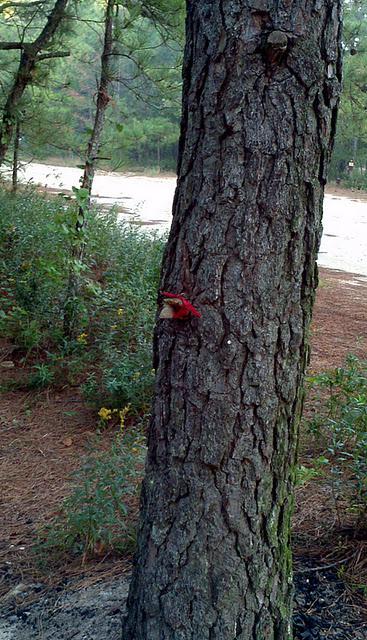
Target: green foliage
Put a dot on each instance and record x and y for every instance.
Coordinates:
(305, 474)
(340, 425)
(124, 308)
(142, 123)
(351, 135)
(33, 263)
(97, 516)
(126, 378)
(41, 377)
(356, 180)
(114, 307)
(56, 113)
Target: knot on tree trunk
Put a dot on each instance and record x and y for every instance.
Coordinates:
(277, 40)
(276, 46)
(103, 98)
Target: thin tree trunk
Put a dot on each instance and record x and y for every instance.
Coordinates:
(23, 77)
(70, 315)
(261, 86)
(102, 103)
(354, 149)
(16, 157)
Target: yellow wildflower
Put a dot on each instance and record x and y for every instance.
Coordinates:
(104, 413)
(120, 312)
(82, 338)
(122, 414)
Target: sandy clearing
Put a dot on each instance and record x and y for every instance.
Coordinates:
(148, 200)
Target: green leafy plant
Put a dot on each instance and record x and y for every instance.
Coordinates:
(113, 306)
(305, 474)
(98, 516)
(340, 425)
(127, 378)
(41, 376)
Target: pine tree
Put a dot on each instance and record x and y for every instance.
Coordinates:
(261, 87)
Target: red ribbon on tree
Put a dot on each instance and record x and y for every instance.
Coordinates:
(177, 307)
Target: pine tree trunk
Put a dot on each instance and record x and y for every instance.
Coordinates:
(261, 86)
(23, 77)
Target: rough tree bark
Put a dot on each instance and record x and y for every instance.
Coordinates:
(261, 86)
(30, 55)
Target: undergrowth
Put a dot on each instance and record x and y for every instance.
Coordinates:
(99, 514)
(109, 355)
(113, 308)
(339, 428)
(356, 180)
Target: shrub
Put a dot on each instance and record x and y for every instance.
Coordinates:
(114, 306)
(340, 425)
(356, 180)
(124, 314)
(33, 267)
(98, 515)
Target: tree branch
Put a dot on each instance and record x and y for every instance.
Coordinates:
(53, 54)
(12, 45)
(53, 21)
(23, 76)
(14, 5)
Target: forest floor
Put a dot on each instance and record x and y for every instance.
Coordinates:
(42, 440)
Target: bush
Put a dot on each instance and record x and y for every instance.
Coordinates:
(98, 515)
(340, 425)
(114, 307)
(33, 268)
(356, 180)
(124, 315)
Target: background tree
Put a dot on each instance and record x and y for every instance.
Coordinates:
(58, 108)
(31, 54)
(102, 101)
(114, 45)
(117, 44)
(15, 168)
(83, 194)
(351, 138)
(261, 87)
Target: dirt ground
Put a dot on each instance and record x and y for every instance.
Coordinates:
(333, 189)
(42, 440)
(339, 324)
